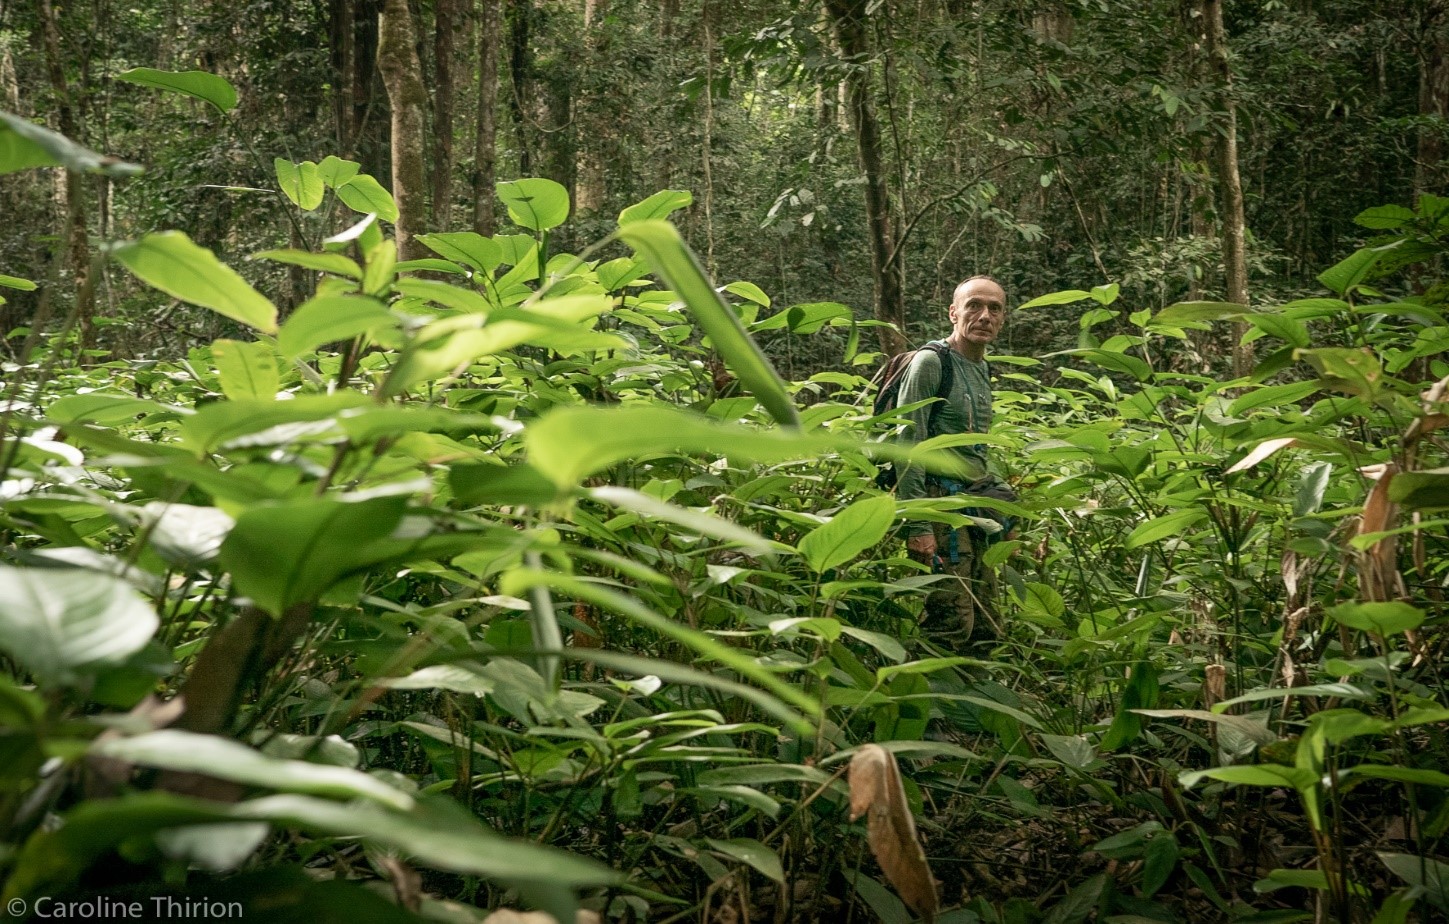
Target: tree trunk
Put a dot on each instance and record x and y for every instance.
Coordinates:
(1433, 46)
(397, 58)
(77, 240)
(520, 13)
(445, 23)
(849, 20)
(490, 40)
(589, 165)
(344, 40)
(1230, 186)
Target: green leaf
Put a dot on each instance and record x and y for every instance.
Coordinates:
(225, 759)
(483, 254)
(1194, 314)
(535, 203)
(208, 88)
(749, 292)
(184, 535)
(169, 261)
(1340, 690)
(302, 183)
(1427, 490)
(1357, 372)
(1350, 271)
(23, 145)
(658, 206)
(451, 342)
(335, 171)
(568, 444)
(220, 423)
(334, 263)
(63, 623)
(1106, 294)
(520, 579)
(246, 369)
(1415, 775)
(15, 282)
(1422, 872)
(363, 193)
(705, 523)
(518, 483)
(1272, 775)
(284, 554)
(1255, 731)
(1065, 297)
(848, 533)
(1158, 528)
(1386, 619)
(1384, 217)
(752, 852)
(662, 246)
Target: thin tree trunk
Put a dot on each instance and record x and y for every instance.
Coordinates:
(77, 240)
(445, 23)
(707, 154)
(1433, 47)
(397, 58)
(1230, 186)
(490, 39)
(849, 20)
(520, 12)
(343, 51)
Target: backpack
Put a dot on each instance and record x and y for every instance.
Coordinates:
(889, 378)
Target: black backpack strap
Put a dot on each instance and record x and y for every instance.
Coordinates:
(943, 388)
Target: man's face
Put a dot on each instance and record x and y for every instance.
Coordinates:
(978, 312)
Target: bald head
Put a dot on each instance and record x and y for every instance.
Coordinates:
(978, 311)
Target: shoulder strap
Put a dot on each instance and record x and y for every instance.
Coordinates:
(943, 389)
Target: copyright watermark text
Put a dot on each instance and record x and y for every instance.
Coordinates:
(155, 908)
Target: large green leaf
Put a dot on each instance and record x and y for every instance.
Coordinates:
(1350, 271)
(363, 193)
(200, 85)
(225, 759)
(330, 318)
(434, 832)
(284, 554)
(169, 261)
(1427, 490)
(334, 263)
(1386, 618)
(184, 535)
(302, 183)
(751, 852)
(658, 206)
(848, 533)
(23, 145)
(64, 623)
(672, 259)
(570, 443)
(1271, 775)
(220, 423)
(468, 247)
(535, 203)
(1171, 524)
(246, 369)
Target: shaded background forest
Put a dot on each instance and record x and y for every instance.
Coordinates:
(1053, 145)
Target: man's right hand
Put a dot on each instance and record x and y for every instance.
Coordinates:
(922, 547)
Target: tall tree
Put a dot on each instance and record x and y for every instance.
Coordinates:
(589, 189)
(849, 20)
(397, 58)
(445, 24)
(1433, 50)
(77, 240)
(1230, 185)
(485, 170)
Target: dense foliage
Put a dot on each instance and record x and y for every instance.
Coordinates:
(353, 587)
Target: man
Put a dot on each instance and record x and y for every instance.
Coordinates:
(977, 314)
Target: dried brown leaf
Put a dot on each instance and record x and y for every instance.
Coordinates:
(876, 792)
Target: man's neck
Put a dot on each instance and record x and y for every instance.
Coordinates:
(972, 351)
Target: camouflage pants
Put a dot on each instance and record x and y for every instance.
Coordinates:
(962, 609)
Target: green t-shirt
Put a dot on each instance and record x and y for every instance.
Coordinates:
(967, 409)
